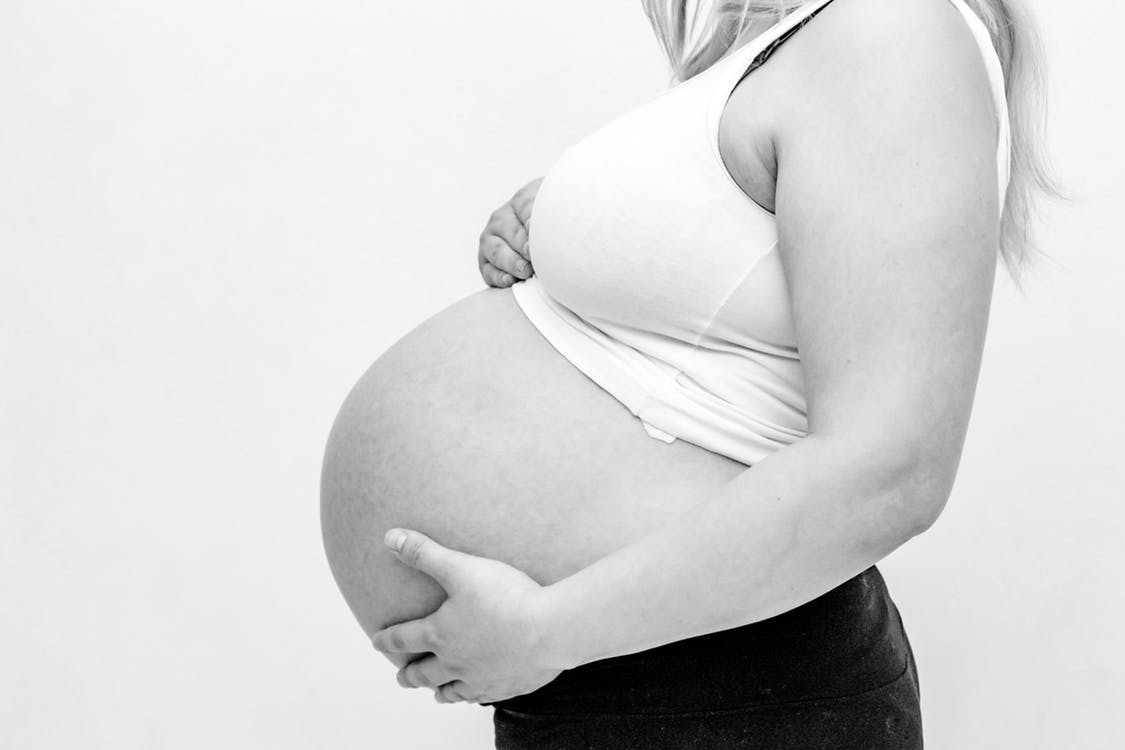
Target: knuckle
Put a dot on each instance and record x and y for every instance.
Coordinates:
(433, 635)
(489, 249)
(412, 550)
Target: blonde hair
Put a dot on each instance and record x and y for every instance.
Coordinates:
(1015, 38)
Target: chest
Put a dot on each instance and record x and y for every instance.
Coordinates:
(661, 220)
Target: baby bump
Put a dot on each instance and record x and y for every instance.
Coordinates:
(475, 431)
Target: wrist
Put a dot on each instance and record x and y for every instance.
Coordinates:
(546, 612)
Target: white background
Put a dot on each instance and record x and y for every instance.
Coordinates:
(215, 215)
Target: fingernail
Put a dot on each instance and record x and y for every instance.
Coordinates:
(524, 268)
(394, 538)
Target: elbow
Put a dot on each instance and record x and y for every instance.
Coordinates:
(905, 508)
(894, 488)
(921, 490)
(925, 517)
(910, 487)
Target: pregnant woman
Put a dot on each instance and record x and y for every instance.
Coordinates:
(633, 495)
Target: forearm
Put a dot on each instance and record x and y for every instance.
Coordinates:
(782, 533)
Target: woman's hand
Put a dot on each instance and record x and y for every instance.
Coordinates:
(483, 642)
(504, 255)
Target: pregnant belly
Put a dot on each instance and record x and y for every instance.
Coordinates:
(474, 430)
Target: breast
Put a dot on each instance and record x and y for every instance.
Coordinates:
(639, 226)
(474, 430)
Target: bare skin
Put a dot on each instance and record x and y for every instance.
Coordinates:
(474, 430)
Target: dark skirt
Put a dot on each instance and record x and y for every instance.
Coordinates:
(837, 672)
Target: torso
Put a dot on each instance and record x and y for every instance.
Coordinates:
(475, 430)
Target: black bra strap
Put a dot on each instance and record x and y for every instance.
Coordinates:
(762, 56)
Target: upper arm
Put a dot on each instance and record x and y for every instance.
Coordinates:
(887, 214)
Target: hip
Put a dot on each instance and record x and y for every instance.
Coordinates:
(836, 653)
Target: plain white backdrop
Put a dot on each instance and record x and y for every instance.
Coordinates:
(215, 215)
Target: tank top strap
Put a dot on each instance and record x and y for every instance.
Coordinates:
(773, 37)
(752, 54)
(757, 51)
(999, 97)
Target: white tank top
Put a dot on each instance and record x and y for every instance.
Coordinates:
(659, 278)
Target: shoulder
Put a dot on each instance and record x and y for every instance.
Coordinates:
(858, 54)
(844, 26)
(872, 79)
(887, 222)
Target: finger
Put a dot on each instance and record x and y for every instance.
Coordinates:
(521, 206)
(453, 692)
(524, 200)
(518, 243)
(500, 253)
(428, 672)
(401, 658)
(512, 227)
(493, 276)
(412, 636)
(422, 553)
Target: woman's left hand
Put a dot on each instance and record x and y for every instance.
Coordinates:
(484, 642)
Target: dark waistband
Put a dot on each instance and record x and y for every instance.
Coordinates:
(844, 642)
